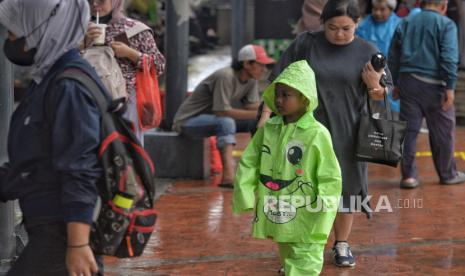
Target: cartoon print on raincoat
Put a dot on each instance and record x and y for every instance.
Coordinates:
(294, 151)
(289, 172)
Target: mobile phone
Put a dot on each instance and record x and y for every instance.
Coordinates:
(122, 37)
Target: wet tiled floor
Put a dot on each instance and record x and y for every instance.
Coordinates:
(197, 234)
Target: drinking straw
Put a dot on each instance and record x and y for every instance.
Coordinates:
(97, 17)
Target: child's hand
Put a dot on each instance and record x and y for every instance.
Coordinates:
(266, 112)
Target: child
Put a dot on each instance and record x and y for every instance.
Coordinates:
(290, 174)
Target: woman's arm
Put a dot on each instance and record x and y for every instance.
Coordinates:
(75, 139)
(371, 79)
(124, 51)
(141, 44)
(145, 44)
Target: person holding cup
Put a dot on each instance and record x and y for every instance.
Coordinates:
(111, 29)
(100, 38)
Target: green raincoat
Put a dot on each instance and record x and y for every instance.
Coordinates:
(289, 173)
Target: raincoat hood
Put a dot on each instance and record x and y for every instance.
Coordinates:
(299, 76)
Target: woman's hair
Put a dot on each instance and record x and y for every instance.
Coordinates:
(336, 8)
(390, 3)
(117, 9)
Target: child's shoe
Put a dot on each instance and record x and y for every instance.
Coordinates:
(342, 254)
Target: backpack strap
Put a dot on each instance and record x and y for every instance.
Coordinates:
(104, 105)
(74, 73)
(49, 107)
(89, 83)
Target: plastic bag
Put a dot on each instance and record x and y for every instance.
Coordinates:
(148, 96)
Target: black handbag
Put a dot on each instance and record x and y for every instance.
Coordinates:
(380, 140)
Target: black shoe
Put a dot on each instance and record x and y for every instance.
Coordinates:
(458, 179)
(342, 255)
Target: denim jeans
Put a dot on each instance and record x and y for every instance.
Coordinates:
(224, 128)
(45, 253)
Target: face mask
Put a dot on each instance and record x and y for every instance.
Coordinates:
(14, 51)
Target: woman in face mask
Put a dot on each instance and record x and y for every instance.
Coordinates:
(130, 40)
(53, 140)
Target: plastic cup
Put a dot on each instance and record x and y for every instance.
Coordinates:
(100, 40)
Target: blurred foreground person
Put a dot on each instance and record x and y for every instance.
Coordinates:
(53, 165)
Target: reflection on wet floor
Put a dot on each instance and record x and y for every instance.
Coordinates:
(423, 233)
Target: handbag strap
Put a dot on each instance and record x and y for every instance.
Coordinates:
(389, 116)
(387, 105)
(149, 62)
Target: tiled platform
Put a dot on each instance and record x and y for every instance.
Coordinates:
(197, 234)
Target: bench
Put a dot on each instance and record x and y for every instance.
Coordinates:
(177, 156)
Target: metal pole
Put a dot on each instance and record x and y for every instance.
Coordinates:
(238, 26)
(7, 236)
(177, 54)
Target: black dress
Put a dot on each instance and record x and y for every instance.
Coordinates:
(342, 97)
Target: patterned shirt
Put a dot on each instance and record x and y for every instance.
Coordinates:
(142, 42)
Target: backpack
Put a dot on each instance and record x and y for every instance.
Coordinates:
(103, 60)
(124, 218)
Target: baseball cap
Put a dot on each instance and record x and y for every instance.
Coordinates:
(254, 52)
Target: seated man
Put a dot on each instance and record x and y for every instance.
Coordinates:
(224, 103)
